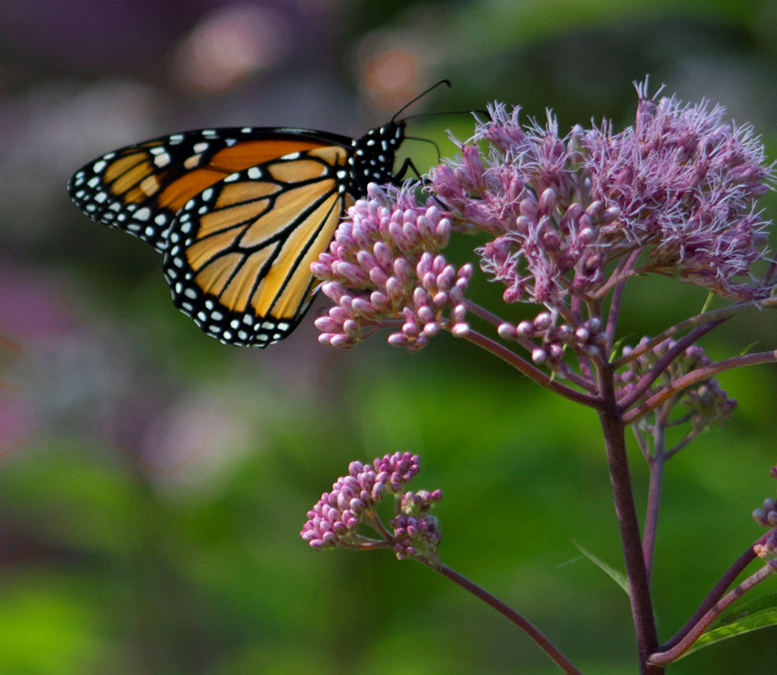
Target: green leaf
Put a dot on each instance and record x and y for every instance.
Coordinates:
(746, 349)
(707, 302)
(618, 577)
(760, 613)
(617, 345)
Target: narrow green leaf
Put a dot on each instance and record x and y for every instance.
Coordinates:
(760, 613)
(618, 577)
(617, 345)
(746, 349)
(707, 302)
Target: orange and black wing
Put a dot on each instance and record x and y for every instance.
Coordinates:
(141, 188)
(239, 254)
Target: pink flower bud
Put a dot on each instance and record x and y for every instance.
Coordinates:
(542, 322)
(379, 301)
(507, 331)
(426, 315)
(547, 202)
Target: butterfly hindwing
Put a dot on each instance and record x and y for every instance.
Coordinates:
(239, 252)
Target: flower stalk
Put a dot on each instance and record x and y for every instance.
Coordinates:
(512, 615)
(625, 509)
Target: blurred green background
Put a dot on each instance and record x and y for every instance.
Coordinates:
(153, 481)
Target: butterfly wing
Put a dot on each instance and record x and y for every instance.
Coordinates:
(239, 215)
(240, 250)
(141, 188)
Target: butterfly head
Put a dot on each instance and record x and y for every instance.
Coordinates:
(372, 157)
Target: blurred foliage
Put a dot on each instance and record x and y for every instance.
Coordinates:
(153, 481)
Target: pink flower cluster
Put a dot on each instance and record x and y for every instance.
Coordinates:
(335, 520)
(679, 186)
(384, 269)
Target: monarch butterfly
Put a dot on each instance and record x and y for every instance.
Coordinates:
(239, 214)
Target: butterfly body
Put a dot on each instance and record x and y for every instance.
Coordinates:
(238, 214)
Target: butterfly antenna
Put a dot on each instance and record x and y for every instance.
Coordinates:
(452, 112)
(425, 140)
(421, 95)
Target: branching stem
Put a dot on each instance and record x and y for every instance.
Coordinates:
(716, 593)
(715, 315)
(529, 370)
(657, 461)
(697, 375)
(655, 372)
(663, 658)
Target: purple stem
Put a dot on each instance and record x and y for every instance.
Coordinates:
(641, 603)
(513, 616)
(483, 313)
(493, 319)
(675, 449)
(612, 316)
(529, 370)
(716, 593)
(654, 491)
(615, 303)
(585, 363)
(697, 375)
(699, 319)
(497, 321)
(663, 658)
(654, 373)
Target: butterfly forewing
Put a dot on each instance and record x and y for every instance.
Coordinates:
(140, 188)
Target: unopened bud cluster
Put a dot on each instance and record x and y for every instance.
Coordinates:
(335, 520)
(416, 533)
(383, 268)
(767, 517)
(707, 403)
(767, 514)
(555, 338)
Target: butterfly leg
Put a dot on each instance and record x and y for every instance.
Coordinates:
(407, 165)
